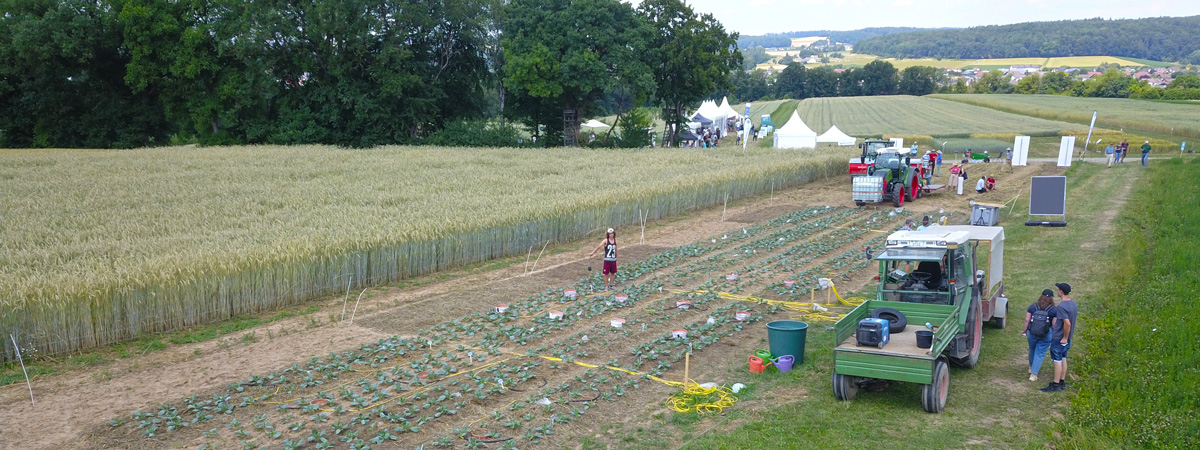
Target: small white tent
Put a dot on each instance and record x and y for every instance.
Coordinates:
(728, 110)
(795, 134)
(710, 110)
(836, 136)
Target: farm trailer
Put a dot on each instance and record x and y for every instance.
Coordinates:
(957, 285)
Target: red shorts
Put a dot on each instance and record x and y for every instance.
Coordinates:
(610, 267)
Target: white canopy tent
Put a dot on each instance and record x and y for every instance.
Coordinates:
(795, 134)
(594, 124)
(728, 110)
(836, 136)
(710, 110)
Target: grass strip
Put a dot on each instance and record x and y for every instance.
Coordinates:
(1142, 368)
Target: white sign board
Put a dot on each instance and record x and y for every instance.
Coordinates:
(897, 142)
(1065, 150)
(1021, 151)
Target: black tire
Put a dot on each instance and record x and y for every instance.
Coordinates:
(896, 319)
(860, 203)
(845, 387)
(914, 191)
(898, 195)
(933, 395)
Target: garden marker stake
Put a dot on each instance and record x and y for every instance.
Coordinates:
(19, 358)
(346, 298)
(355, 311)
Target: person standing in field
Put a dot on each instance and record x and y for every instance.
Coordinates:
(955, 178)
(1039, 322)
(1110, 154)
(1007, 160)
(1145, 153)
(1060, 340)
(939, 162)
(609, 244)
(1124, 150)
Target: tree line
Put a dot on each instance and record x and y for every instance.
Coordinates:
(356, 73)
(1158, 39)
(784, 40)
(798, 82)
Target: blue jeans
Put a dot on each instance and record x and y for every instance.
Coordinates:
(1145, 157)
(1037, 351)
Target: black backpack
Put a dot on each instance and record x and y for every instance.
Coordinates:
(1039, 324)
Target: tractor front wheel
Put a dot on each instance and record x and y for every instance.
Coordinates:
(845, 387)
(898, 195)
(933, 395)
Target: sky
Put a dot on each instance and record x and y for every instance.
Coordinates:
(756, 17)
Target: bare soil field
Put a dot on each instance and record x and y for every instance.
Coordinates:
(433, 365)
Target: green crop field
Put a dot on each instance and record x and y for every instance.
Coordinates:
(1176, 119)
(101, 246)
(907, 115)
(858, 59)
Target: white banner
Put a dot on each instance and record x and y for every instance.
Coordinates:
(1020, 151)
(1089, 136)
(1065, 149)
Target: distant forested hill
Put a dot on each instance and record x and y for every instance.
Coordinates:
(1159, 39)
(849, 37)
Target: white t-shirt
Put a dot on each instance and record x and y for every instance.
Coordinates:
(979, 185)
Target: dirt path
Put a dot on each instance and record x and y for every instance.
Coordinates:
(71, 404)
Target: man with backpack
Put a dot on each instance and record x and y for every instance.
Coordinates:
(1060, 340)
(1039, 320)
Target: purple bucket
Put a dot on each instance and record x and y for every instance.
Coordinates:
(784, 363)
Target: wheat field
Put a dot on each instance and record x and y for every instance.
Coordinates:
(102, 246)
(1176, 119)
(908, 115)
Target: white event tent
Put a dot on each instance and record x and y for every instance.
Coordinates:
(710, 110)
(836, 136)
(795, 134)
(728, 110)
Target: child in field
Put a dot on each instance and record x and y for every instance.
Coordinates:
(609, 244)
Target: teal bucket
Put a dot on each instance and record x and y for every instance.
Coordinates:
(786, 337)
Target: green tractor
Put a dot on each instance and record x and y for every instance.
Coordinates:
(893, 176)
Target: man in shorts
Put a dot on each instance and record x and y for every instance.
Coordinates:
(1060, 341)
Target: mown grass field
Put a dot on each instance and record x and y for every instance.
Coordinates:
(907, 115)
(1174, 119)
(1142, 366)
(102, 246)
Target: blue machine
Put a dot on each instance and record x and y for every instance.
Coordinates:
(873, 332)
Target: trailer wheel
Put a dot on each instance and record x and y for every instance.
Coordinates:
(998, 322)
(845, 387)
(860, 203)
(933, 395)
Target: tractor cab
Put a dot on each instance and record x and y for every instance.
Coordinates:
(926, 267)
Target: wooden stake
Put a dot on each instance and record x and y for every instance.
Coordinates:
(28, 384)
(539, 258)
(725, 207)
(687, 361)
(355, 311)
(346, 299)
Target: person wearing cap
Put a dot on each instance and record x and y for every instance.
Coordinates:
(1060, 339)
(1039, 345)
(938, 155)
(609, 244)
(1145, 153)
(924, 224)
(1007, 160)
(908, 225)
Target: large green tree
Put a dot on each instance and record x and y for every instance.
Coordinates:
(878, 78)
(62, 78)
(919, 80)
(690, 54)
(565, 55)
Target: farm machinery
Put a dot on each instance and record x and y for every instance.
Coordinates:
(892, 175)
(870, 149)
(935, 290)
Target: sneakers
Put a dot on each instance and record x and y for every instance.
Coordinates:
(1033, 377)
(1055, 387)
